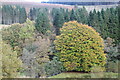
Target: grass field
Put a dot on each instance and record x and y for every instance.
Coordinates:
(86, 75)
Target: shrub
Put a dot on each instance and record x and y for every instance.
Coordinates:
(53, 67)
(79, 47)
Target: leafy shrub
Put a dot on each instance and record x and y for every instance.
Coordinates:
(53, 67)
(17, 34)
(79, 47)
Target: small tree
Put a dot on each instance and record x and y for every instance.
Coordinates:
(80, 47)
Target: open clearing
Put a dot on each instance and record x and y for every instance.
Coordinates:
(86, 75)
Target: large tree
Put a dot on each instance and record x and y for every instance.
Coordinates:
(80, 47)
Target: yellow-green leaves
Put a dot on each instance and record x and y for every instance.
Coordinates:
(10, 62)
(79, 47)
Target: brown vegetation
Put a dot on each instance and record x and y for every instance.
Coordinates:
(29, 5)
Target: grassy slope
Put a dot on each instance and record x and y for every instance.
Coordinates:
(86, 75)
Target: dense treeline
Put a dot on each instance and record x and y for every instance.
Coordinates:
(13, 14)
(105, 22)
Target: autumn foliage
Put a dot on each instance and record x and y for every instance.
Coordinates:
(80, 47)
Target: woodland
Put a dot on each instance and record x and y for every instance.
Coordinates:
(52, 43)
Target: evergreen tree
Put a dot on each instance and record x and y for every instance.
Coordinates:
(73, 16)
(101, 25)
(42, 22)
(118, 10)
(58, 21)
(84, 16)
(113, 24)
(13, 14)
(67, 16)
(33, 13)
(23, 15)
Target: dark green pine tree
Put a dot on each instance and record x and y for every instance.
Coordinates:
(73, 15)
(58, 21)
(67, 16)
(31, 14)
(42, 22)
(53, 12)
(113, 24)
(101, 25)
(90, 21)
(77, 15)
(5, 14)
(0, 15)
(83, 15)
(105, 15)
(93, 20)
(23, 15)
(118, 10)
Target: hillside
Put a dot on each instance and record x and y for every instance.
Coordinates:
(37, 5)
(83, 0)
(29, 5)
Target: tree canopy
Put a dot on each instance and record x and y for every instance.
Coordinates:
(79, 47)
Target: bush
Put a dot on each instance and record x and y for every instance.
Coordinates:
(79, 47)
(53, 67)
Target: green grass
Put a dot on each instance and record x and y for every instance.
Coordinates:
(86, 75)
